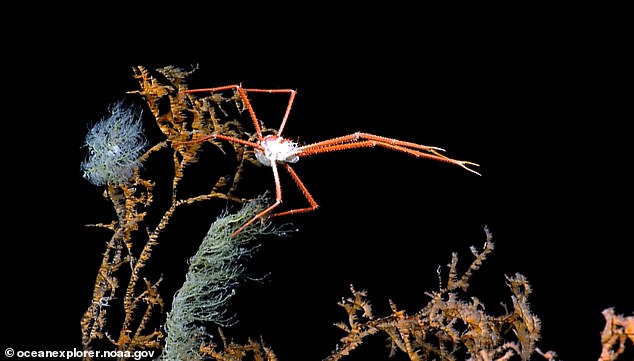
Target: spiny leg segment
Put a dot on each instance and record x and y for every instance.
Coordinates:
(366, 140)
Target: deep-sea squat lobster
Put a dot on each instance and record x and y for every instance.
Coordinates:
(274, 150)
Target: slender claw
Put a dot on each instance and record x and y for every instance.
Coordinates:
(465, 165)
(462, 163)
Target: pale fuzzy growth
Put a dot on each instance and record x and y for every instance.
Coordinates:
(114, 146)
(214, 273)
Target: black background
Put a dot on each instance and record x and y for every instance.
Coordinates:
(539, 101)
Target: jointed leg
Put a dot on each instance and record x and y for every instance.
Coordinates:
(365, 140)
(302, 187)
(224, 137)
(366, 136)
(242, 92)
(289, 106)
(243, 96)
(211, 90)
(278, 201)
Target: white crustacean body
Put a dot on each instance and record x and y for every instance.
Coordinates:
(277, 149)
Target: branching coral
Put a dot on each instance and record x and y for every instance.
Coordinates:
(115, 160)
(252, 350)
(450, 326)
(618, 330)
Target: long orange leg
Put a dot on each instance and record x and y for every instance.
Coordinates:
(359, 136)
(278, 201)
(289, 106)
(415, 153)
(243, 95)
(278, 198)
(365, 140)
(302, 187)
(223, 137)
(211, 90)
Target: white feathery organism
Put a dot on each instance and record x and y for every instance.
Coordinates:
(114, 146)
(214, 274)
